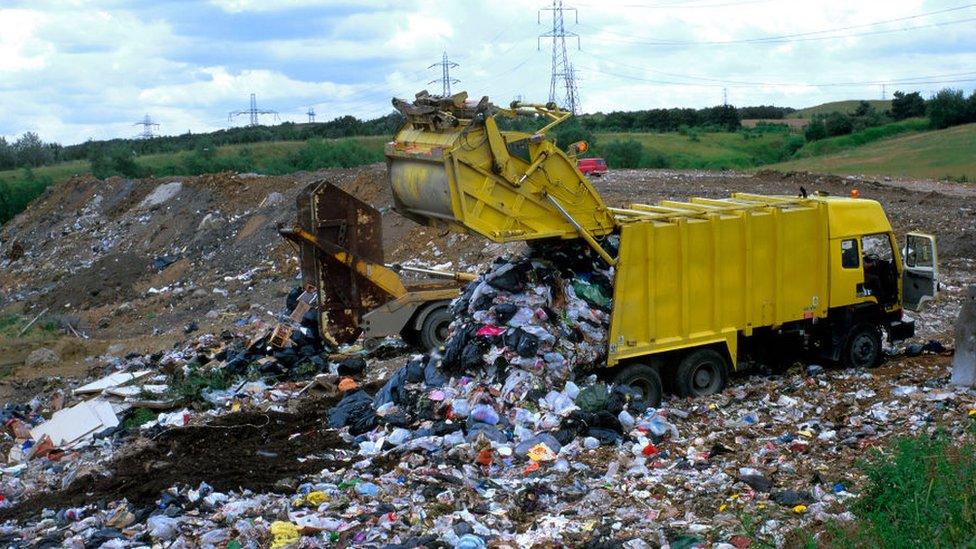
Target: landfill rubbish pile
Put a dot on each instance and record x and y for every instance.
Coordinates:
(507, 439)
(525, 334)
(211, 437)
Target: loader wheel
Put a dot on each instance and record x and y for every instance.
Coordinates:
(433, 334)
(701, 372)
(863, 347)
(643, 378)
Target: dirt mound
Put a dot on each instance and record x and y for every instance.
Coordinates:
(143, 257)
(252, 450)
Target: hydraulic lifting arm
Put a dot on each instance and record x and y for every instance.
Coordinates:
(451, 165)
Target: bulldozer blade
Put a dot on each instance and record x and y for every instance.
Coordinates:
(340, 220)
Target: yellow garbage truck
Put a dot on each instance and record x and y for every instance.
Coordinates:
(698, 284)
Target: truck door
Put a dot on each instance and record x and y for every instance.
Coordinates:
(921, 277)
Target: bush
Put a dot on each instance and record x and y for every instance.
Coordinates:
(792, 144)
(623, 154)
(863, 137)
(319, 153)
(815, 130)
(838, 123)
(118, 161)
(950, 108)
(17, 193)
(910, 105)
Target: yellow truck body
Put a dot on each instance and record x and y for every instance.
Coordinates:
(711, 270)
(706, 274)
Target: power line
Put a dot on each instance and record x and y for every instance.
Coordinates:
(721, 82)
(148, 127)
(253, 112)
(810, 35)
(679, 5)
(908, 82)
(562, 69)
(446, 65)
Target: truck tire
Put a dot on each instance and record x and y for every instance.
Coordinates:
(863, 347)
(701, 372)
(643, 378)
(433, 333)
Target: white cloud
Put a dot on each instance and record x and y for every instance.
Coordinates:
(90, 68)
(19, 50)
(238, 6)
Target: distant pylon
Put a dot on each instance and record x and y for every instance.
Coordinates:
(563, 74)
(147, 127)
(253, 112)
(725, 97)
(311, 114)
(884, 94)
(446, 65)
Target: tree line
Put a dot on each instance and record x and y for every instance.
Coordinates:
(30, 151)
(945, 109)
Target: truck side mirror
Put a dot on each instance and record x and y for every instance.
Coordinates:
(920, 281)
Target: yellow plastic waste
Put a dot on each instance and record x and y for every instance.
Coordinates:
(316, 498)
(284, 533)
(541, 452)
(313, 499)
(799, 509)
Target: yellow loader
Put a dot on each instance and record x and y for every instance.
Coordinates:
(698, 284)
(353, 292)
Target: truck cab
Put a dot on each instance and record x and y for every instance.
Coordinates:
(871, 283)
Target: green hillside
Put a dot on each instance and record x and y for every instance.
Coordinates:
(942, 154)
(711, 150)
(840, 106)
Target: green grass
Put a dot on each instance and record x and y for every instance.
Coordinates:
(920, 492)
(840, 106)
(943, 154)
(57, 172)
(720, 150)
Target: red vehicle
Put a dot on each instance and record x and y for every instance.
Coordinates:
(592, 166)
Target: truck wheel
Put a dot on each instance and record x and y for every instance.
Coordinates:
(643, 378)
(863, 347)
(433, 333)
(701, 372)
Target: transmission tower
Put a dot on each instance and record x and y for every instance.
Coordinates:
(563, 74)
(253, 112)
(446, 65)
(311, 114)
(884, 94)
(147, 127)
(725, 97)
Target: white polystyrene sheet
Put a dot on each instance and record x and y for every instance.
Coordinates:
(70, 425)
(114, 380)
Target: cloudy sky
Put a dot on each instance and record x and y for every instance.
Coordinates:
(77, 69)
